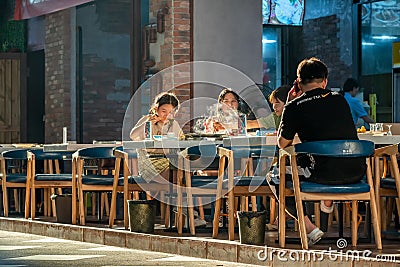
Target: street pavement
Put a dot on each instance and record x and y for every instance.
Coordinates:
(19, 249)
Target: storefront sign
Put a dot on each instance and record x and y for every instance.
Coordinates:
(25, 9)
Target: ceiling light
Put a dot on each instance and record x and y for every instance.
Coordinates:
(267, 41)
(384, 37)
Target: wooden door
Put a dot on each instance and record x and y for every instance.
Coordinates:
(12, 101)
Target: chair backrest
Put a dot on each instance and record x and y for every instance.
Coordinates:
(207, 150)
(18, 154)
(97, 152)
(132, 153)
(203, 157)
(52, 155)
(337, 148)
(262, 151)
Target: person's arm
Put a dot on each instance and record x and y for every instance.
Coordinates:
(137, 132)
(283, 142)
(359, 110)
(287, 127)
(367, 119)
(177, 130)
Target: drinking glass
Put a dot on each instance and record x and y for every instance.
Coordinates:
(379, 127)
(389, 132)
(372, 127)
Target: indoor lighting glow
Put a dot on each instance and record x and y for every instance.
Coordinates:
(267, 41)
(384, 37)
(367, 43)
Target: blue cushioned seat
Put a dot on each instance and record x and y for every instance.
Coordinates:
(388, 183)
(97, 180)
(248, 181)
(309, 187)
(53, 177)
(16, 178)
(204, 181)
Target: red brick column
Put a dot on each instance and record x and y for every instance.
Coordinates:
(175, 44)
(57, 75)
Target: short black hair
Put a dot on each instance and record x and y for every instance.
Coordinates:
(349, 84)
(310, 69)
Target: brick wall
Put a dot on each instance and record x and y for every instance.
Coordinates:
(320, 38)
(175, 49)
(106, 92)
(57, 75)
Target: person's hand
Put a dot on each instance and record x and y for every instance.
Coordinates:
(154, 118)
(294, 92)
(213, 125)
(218, 126)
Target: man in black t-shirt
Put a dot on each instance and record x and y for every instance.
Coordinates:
(317, 114)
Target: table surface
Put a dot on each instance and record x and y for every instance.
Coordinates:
(380, 139)
(166, 143)
(173, 143)
(243, 141)
(72, 146)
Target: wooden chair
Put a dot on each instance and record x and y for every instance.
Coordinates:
(15, 175)
(97, 182)
(190, 184)
(130, 182)
(387, 180)
(50, 179)
(244, 185)
(309, 191)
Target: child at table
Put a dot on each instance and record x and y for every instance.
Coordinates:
(278, 99)
(152, 164)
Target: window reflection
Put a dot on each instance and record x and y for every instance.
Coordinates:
(271, 50)
(380, 23)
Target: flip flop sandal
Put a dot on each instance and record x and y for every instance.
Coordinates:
(271, 227)
(314, 236)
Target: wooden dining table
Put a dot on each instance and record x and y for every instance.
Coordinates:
(380, 139)
(72, 146)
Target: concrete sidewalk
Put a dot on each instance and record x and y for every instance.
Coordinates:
(200, 247)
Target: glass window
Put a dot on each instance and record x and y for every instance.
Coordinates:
(271, 53)
(103, 68)
(379, 29)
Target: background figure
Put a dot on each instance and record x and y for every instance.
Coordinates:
(152, 165)
(278, 99)
(358, 112)
(319, 114)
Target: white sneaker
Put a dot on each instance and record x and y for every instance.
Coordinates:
(185, 211)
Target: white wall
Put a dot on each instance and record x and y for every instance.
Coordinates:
(227, 32)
